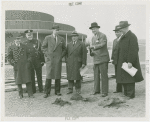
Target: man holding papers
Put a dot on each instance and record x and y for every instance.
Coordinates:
(76, 60)
(128, 52)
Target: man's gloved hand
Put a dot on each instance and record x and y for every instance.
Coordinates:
(42, 63)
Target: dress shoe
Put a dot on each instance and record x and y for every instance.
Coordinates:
(31, 96)
(104, 95)
(21, 96)
(69, 92)
(95, 93)
(115, 92)
(46, 95)
(58, 94)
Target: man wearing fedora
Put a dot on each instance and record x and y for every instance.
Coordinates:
(100, 55)
(54, 50)
(128, 52)
(19, 58)
(37, 59)
(76, 59)
(114, 56)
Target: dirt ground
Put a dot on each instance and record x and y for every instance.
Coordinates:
(41, 107)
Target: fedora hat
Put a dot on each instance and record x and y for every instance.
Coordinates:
(55, 27)
(74, 33)
(93, 25)
(28, 31)
(117, 28)
(123, 24)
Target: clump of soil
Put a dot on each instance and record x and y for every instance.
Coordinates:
(111, 102)
(90, 99)
(79, 97)
(76, 97)
(61, 102)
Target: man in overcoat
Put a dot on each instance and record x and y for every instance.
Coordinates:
(128, 52)
(37, 59)
(114, 56)
(19, 58)
(76, 60)
(100, 55)
(54, 49)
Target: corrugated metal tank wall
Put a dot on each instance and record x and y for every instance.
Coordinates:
(19, 19)
(27, 15)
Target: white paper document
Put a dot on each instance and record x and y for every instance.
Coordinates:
(132, 71)
(83, 70)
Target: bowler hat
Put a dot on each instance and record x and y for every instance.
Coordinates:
(93, 25)
(74, 33)
(55, 27)
(123, 24)
(116, 28)
(28, 31)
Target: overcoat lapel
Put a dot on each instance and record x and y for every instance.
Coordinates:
(71, 47)
(58, 42)
(75, 46)
(53, 41)
(20, 49)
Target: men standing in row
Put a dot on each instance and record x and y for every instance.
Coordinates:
(114, 56)
(54, 49)
(19, 58)
(76, 59)
(128, 52)
(101, 58)
(37, 59)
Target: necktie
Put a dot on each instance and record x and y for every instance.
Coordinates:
(55, 39)
(73, 43)
(18, 45)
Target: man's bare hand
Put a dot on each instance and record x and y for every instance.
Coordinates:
(129, 65)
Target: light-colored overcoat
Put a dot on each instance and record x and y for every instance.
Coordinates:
(54, 52)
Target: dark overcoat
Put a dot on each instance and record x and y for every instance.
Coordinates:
(19, 58)
(36, 53)
(54, 52)
(128, 52)
(76, 56)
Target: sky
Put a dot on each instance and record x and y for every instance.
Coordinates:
(81, 16)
